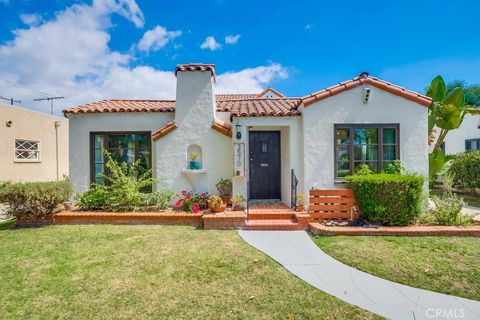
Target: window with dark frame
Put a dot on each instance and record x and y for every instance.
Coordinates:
(373, 144)
(472, 144)
(124, 147)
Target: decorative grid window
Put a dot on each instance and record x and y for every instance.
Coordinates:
(371, 144)
(27, 150)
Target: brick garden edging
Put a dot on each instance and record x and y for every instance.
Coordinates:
(418, 231)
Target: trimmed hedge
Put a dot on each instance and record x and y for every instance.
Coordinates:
(388, 199)
(465, 170)
(34, 199)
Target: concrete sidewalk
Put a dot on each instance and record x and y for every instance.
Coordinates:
(299, 255)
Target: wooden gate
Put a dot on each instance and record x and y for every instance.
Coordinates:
(333, 205)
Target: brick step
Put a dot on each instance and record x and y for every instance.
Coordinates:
(271, 216)
(280, 224)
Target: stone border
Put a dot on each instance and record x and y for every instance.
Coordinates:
(418, 231)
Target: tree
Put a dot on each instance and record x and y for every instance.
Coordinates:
(472, 91)
(446, 112)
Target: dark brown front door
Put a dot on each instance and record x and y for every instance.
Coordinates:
(264, 149)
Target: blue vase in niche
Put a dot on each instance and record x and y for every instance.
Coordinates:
(194, 165)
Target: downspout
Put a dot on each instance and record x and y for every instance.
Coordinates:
(57, 124)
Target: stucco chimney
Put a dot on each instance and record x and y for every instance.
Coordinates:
(195, 94)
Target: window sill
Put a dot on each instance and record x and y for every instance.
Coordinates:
(27, 161)
(339, 181)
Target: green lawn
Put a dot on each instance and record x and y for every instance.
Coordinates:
(137, 272)
(443, 264)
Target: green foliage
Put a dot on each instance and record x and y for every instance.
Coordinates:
(238, 200)
(224, 187)
(159, 200)
(394, 167)
(363, 170)
(125, 190)
(472, 91)
(34, 199)
(389, 199)
(465, 170)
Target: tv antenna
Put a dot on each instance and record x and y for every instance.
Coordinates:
(51, 101)
(11, 100)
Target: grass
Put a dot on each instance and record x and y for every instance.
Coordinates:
(138, 272)
(444, 264)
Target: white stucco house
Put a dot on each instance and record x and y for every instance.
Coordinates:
(465, 138)
(259, 140)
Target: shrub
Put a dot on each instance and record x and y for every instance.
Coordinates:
(363, 170)
(394, 167)
(159, 199)
(191, 202)
(389, 199)
(465, 170)
(34, 199)
(93, 199)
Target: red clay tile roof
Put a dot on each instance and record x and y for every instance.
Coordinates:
(269, 89)
(267, 107)
(124, 105)
(236, 96)
(364, 78)
(163, 131)
(222, 127)
(196, 67)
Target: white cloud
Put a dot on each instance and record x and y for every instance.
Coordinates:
(157, 38)
(210, 43)
(309, 26)
(31, 19)
(232, 39)
(70, 56)
(126, 8)
(251, 79)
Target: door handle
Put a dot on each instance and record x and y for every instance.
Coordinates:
(263, 164)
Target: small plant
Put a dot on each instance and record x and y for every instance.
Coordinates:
(193, 156)
(238, 200)
(224, 187)
(301, 199)
(394, 167)
(215, 202)
(93, 199)
(159, 199)
(363, 170)
(448, 207)
(34, 199)
(190, 202)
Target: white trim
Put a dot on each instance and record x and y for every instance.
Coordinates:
(37, 160)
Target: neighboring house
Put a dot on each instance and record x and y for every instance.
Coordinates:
(34, 145)
(465, 138)
(259, 140)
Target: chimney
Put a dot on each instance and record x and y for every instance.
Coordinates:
(195, 94)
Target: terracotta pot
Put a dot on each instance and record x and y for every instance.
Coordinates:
(238, 208)
(300, 208)
(218, 209)
(225, 199)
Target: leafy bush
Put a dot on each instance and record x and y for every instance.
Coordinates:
(465, 170)
(159, 199)
(394, 167)
(93, 199)
(389, 199)
(191, 202)
(34, 199)
(363, 170)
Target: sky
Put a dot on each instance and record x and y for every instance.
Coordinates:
(92, 50)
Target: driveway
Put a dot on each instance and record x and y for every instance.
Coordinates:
(299, 255)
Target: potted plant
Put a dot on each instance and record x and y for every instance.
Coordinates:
(215, 204)
(301, 202)
(224, 187)
(194, 164)
(238, 202)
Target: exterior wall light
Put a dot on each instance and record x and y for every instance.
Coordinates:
(238, 128)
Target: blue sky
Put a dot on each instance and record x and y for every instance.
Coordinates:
(88, 50)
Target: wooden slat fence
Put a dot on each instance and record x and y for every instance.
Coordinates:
(333, 205)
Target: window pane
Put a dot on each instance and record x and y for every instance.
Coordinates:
(131, 141)
(118, 155)
(98, 156)
(343, 153)
(389, 153)
(366, 136)
(343, 169)
(143, 141)
(372, 164)
(99, 168)
(99, 141)
(343, 136)
(117, 141)
(389, 136)
(99, 181)
(366, 152)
